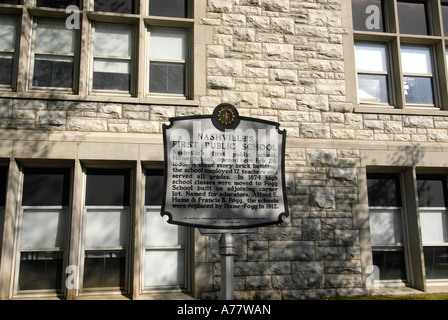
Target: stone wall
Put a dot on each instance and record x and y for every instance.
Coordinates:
(309, 124)
(315, 253)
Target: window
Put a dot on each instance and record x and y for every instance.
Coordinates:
(361, 9)
(100, 223)
(386, 225)
(399, 54)
(444, 8)
(165, 244)
(117, 6)
(106, 231)
(433, 205)
(43, 228)
(400, 224)
(417, 75)
(8, 36)
(3, 185)
(11, 1)
(167, 60)
(60, 4)
(412, 16)
(174, 8)
(54, 54)
(106, 48)
(372, 68)
(112, 57)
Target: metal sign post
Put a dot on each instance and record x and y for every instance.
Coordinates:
(225, 173)
(227, 250)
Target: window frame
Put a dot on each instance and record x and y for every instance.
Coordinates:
(132, 59)
(4, 191)
(82, 89)
(426, 209)
(437, 41)
(186, 247)
(388, 74)
(127, 248)
(404, 245)
(63, 209)
(14, 52)
(432, 76)
(34, 52)
(417, 277)
(186, 62)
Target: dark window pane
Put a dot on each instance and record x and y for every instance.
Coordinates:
(167, 78)
(61, 4)
(104, 269)
(112, 81)
(40, 270)
(370, 19)
(412, 17)
(432, 191)
(46, 186)
(3, 183)
(436, 262)
(6, 66)
(418, 90)
(117, 6)
(53, 73)
(384, 190)
(445, 19)
(173, 8)
(154, 187)
(11, 1)
(107, 187)
(391, 264)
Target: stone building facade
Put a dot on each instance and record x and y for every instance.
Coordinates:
(287, 61)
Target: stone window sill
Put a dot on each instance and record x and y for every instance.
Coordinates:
(422, 111)
(102, 98)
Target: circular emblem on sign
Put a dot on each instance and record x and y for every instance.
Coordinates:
(225, 116)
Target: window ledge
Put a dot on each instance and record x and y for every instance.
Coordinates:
(99, 98)
(407, 111)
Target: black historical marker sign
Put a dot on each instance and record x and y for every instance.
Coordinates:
(224, 171)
